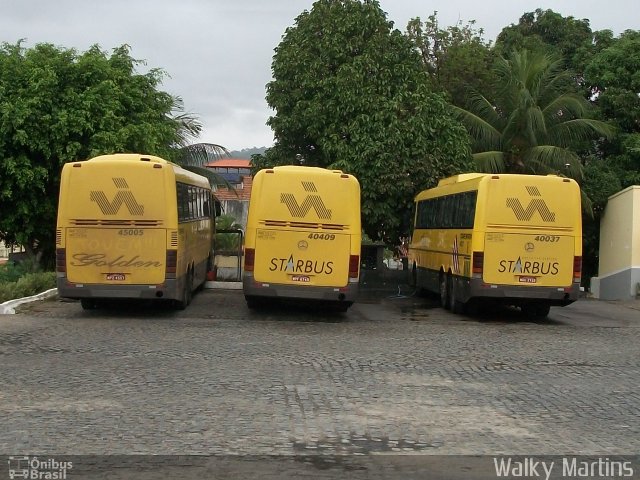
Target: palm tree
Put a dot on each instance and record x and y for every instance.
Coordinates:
(534, 120)
(194, 156)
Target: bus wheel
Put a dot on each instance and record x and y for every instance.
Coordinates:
(413, 276)
(254, 302)
(444, 292)
(535, 311)
(88, 303)
(186, 292)
(455, 305)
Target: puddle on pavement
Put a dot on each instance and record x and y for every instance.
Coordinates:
(360, 444)
(416, 314)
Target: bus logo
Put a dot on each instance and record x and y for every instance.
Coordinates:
(124, 196)
(535, 205)
(310, 202)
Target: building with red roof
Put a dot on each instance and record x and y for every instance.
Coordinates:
(235, 201)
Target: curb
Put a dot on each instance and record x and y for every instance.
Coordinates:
(8, 307)
(223, 285)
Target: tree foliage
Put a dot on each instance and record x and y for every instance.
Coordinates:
(548, 32)
(613, 78)
(457, 58)
(196, 156)
(603, 68)
(531, 125)
(350, 93)
(58, 105)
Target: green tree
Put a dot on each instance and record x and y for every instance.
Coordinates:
(351, 93)
(457, 58)
(613, 79)
(531, 125)
(227, 242)
(548, 32)
(58, 105)
(195, 157)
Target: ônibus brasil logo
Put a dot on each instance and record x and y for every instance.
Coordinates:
(38, 468)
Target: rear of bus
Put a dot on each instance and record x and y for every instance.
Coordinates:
(116, 215)
(527, 245)
(303, 236)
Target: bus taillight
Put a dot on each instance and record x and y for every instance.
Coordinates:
(354, 266)
(577, 268)
(61, 260)
(478, 264)
(249, 259)
(172, 262)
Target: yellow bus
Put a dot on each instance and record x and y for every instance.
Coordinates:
(303, 236)
(132, 226)
(486, 238)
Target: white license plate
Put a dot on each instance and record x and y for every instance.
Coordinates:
(300, 278)
(115, 276)
(527, 279)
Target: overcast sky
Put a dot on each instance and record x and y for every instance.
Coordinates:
(218, 53)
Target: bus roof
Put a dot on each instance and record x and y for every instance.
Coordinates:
(181, 173)
(121, 157)
(472, 181)
(305, 194)
(463, 177)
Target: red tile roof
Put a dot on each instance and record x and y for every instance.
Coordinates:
(243, 194)
(229, 162)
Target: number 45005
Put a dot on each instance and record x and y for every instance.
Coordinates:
(322, 236)
(131, 231)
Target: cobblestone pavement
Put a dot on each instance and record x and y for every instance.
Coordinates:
(394, 375)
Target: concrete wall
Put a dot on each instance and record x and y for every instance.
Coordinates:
(619, 266)
(5, 251)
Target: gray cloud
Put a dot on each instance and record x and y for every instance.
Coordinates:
(218, 53)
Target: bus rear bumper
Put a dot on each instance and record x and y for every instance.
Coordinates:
(517, 294)
(79, 291)
(251, 288)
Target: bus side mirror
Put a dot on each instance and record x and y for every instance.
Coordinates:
(217, 209)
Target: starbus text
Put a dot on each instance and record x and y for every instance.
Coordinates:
(532, 268)
(294, 265)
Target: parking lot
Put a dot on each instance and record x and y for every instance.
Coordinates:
(396, 374)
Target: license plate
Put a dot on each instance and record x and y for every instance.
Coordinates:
(115, 276)
(527, 279)
(300, 278)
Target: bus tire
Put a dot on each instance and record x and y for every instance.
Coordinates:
(413, 276)
(254, 303)
(444, 291)
(455, 305)
(342, 307)
(186, 292)
(88, 303)
(536, 311)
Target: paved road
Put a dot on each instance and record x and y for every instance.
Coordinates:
(394, 375)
